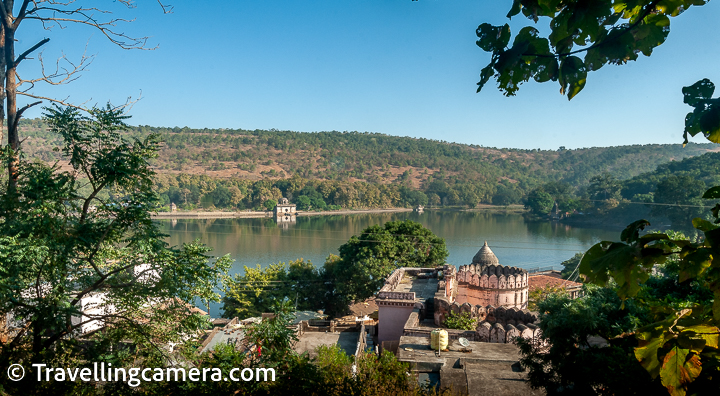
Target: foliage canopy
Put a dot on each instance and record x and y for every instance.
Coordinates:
(91, 263)
(367, 259)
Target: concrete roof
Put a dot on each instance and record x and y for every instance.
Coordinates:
(423, 288)
(220, 336)
(309, 341)
(490, 369)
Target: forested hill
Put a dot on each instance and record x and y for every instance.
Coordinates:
(380, 158)
(377, 159)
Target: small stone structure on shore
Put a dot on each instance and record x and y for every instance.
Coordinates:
(285, 212)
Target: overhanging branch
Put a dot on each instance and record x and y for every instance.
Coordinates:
(28, 52)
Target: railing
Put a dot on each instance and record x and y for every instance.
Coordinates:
(540, 269)
(396, 295)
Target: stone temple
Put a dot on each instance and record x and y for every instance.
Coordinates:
(415, 301)
(485, 282)
(491, 293)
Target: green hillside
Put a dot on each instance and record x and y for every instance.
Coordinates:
(353, 169)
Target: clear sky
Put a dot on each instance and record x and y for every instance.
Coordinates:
(398, 67)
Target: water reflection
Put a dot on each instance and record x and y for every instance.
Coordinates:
(262, 241)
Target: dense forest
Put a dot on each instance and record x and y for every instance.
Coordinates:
(244, 169)
(671, 194)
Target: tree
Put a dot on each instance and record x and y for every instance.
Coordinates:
(506, 195)
(539, 202)
(221, 197)
(367, 259)
(460, 321)
(48, 14)
(539, 295)
(679, 347)
(270, 204)
(276, 335)
(604, 187)
(683, 191)
(606, 31)
(679, 344)
(303, 202)
(570, 266)
(71, 259)
(255, 292)
(575, 361)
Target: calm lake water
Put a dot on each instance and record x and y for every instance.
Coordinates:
(516, 242)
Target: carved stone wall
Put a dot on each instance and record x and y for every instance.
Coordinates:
(495, 285)
(489, 313)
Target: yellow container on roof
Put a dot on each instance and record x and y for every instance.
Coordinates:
(438, 339)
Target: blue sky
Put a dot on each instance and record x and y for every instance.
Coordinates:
(398, 67)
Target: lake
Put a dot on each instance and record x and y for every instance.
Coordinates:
(515, 241)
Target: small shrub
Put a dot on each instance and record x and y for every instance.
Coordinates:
(461, 321)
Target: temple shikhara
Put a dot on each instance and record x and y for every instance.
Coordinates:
(485, 282)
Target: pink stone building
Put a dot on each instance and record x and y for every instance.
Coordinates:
(486, 282)
(496, 295)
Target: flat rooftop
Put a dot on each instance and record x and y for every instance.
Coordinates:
(222, 336)
(408, 284)
(417, 349)
(346, 340)
(490, 369)
(423, 288)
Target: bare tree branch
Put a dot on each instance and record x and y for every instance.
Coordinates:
(21, 111)
(28, 52)
(61, 75)
(21, 14)
(63, 102)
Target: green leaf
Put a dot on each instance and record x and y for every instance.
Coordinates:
(587, 267)
(646, 239)
(694, 264)
(516, 7)
(631, 233)
(710, 123)
(595, 59)
(573, 75)
(698, 92)
(712, 238)
(485, 75)
(708, 333)
(680, 367)
(647, 353)
(651, 33)
(703, 225)
(493, 38)
(713, 193)
(547, 69)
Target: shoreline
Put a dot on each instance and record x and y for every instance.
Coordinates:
(269, 214)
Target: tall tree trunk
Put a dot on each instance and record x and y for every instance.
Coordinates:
(2, 82)
(11, 100)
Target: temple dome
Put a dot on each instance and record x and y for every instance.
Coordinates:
(485, 256)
